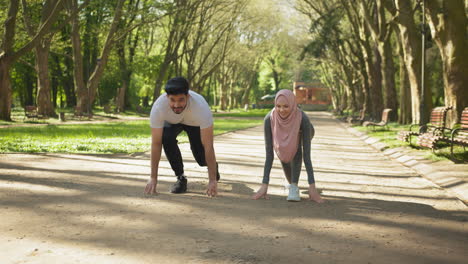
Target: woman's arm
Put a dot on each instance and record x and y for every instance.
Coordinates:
(308, 133)
(268, 149)
(262, 192)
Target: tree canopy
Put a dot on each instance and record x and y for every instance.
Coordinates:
(368, 53)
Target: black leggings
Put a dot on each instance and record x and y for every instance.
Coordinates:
(172, 150)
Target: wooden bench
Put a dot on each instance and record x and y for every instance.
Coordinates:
(80, 114)
(436, 123)
(140, 109)
(384, 120)
(458, 136)
(30, 111)
(107, 109)
(357, 119)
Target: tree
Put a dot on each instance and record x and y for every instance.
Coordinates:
(178, 24)
(374, 16)
(410, 40)
(86, 89)
(42, 51)
(8, 54)
(448, 23)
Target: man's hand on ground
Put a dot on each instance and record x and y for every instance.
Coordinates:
(151, 186)
(212, 189)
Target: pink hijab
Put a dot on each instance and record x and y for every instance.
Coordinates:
(286, 131)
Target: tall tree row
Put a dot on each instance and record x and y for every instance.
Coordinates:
(84, 54)
(374, 39)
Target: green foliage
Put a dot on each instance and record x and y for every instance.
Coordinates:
(115, 137)
(325, 32)
(241, 113)
(110, 82)
(435, 79)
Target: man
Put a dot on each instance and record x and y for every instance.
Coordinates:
(177, 110)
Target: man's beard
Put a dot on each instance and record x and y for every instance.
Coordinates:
(178, 110)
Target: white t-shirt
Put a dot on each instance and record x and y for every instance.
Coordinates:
(196, 113)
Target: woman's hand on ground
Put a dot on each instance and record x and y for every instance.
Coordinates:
(261, 193)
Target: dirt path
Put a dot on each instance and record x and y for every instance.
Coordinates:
(91, 209)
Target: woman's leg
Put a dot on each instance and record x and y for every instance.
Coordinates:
(296, 165)
(294, 171)
(287, 171)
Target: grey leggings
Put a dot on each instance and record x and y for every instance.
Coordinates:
(292, 169)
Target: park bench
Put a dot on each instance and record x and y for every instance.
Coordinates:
(458, 136)
(80, 114)
(357, 119)
(435, 126)
(30, 111)
(383, 121)
(140, 109)
(107, 109)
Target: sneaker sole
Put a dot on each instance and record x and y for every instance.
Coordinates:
(179, 191)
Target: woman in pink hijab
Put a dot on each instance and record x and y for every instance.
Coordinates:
(288, 133)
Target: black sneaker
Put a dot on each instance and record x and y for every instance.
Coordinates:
(180, 186)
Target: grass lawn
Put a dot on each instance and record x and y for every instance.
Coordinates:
(389, 137)
(112, 137)
(252, 113)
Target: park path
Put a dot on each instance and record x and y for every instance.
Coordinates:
(58, 208)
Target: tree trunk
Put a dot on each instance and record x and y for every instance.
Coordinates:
(161, 76)
(388, 76)
(411, 43)
(405, 90)
(45, 105)
(66, 80)
(223, 90)
(253, 74)
(5, 90)
(102, 61)
(124, 75)
(30, 81)
(82, 95)
(448, 23)
(44, 101)
(374, 16)
(54, 86)
(373, 69)
(350, 92)
(6, 61)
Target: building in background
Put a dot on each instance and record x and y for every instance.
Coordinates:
(312, 96)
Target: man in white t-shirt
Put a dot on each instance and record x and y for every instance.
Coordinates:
(173, 112)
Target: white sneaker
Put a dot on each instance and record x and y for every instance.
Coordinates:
(286, 188)
(294, 195)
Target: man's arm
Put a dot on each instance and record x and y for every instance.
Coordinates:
(156, 147)
(210, 158)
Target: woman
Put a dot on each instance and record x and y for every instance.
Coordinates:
(288, 132)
